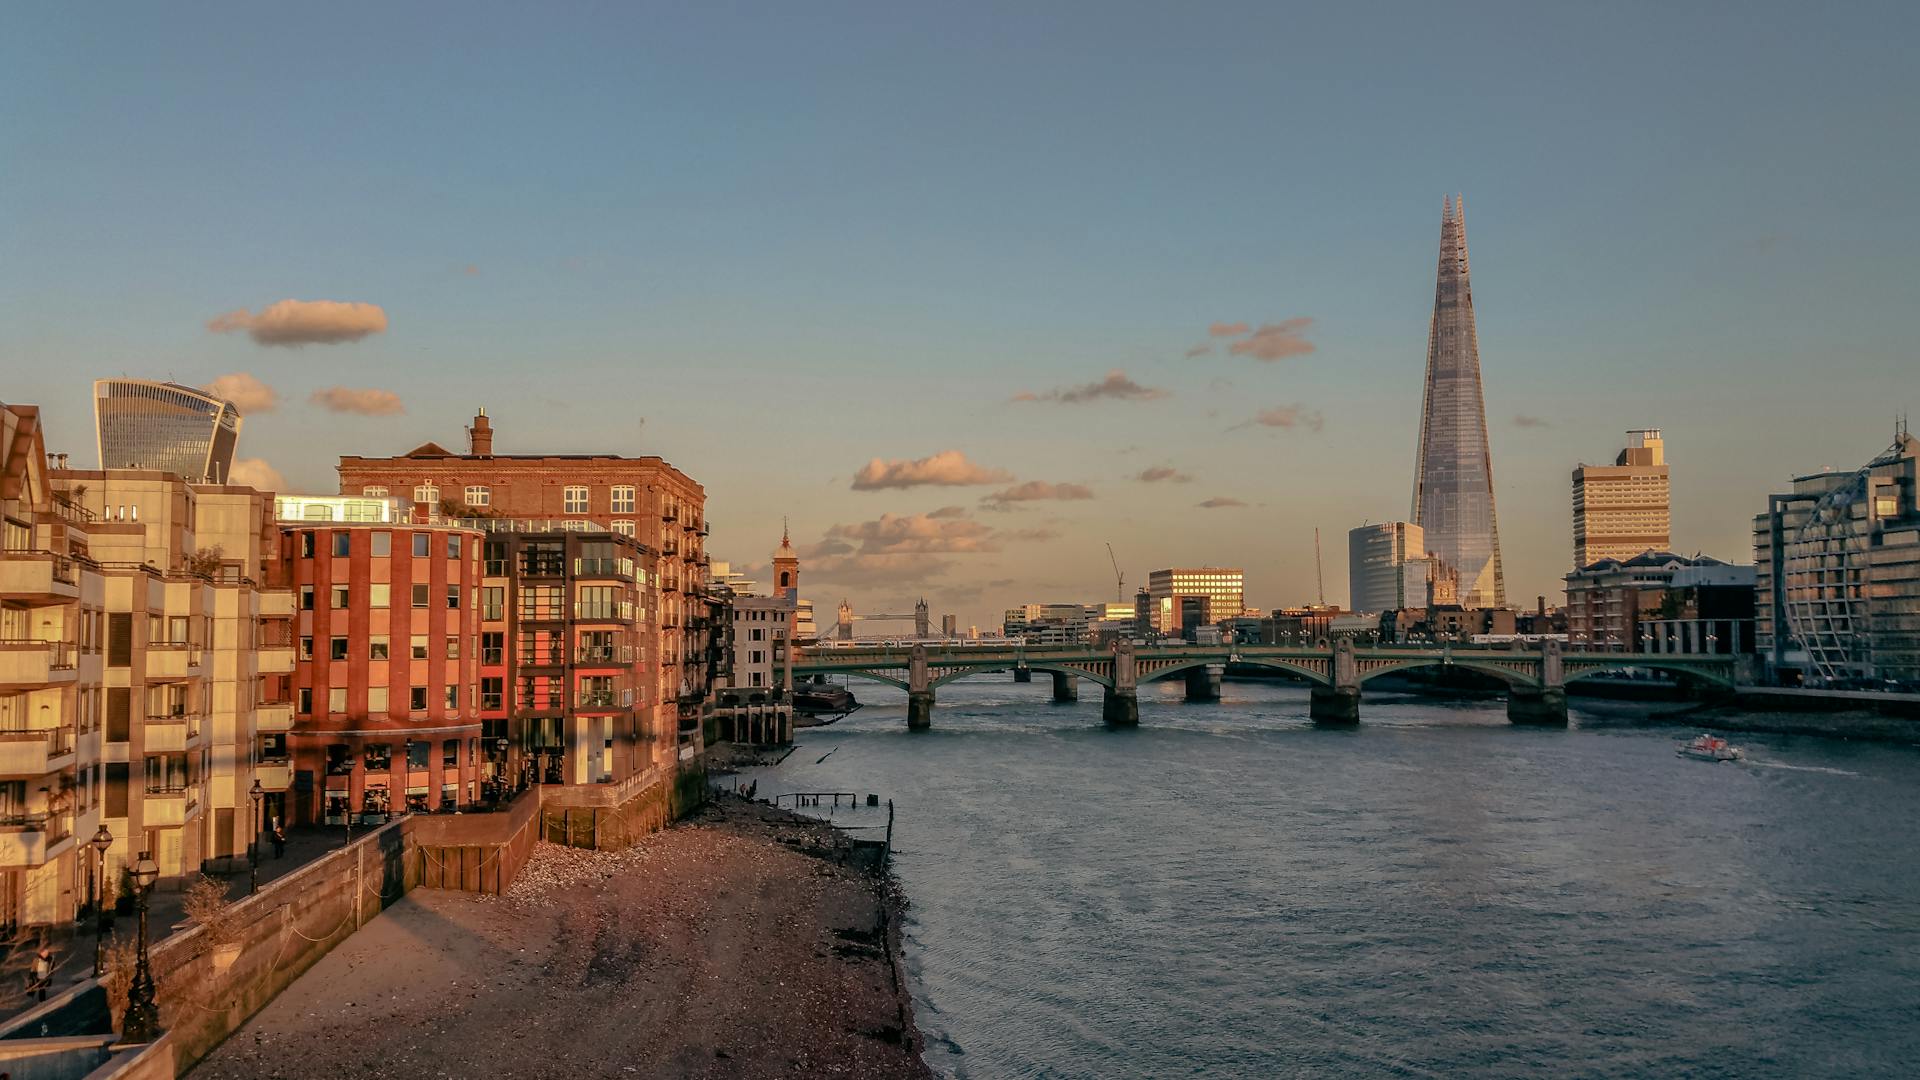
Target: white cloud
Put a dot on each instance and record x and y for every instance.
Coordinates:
(304, 322)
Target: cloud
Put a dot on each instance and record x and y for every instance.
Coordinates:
(1275, 341)
(255, 473)
(1115, 385)
(948, 468)
(1037, 490)
(916, 534)
(471, 270)
(346, 399)
(948, 512)
(1523, 420)
(1218, 502)
(1286, 416)
(877, 571)
(1159, 473)
(1034, 535)
(1199, 350)
(248, 394)
(304, 322)
(1227, 329)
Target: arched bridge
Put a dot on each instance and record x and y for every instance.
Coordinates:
(1536, 678)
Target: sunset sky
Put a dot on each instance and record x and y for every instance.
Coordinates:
(966, 293)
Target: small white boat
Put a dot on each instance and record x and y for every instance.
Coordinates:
(1711, 748)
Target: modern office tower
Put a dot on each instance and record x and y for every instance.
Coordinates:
(1223, 588)
(164, 427)
(642, 497)
(1838, 563)
(1386, 567)
(1453, 475)
(1620, 510)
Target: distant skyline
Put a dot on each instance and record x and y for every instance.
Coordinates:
(967, 295)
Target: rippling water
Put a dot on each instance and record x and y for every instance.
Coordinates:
(1228, 891)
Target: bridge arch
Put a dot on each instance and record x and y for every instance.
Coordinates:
(1713, 673)
(870, 676)
(1508, 675)
(1304, 673)
(947, 675)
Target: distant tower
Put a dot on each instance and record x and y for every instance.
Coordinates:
(921, 627)
(480, 435)
(786, 568)
(142, 424)
(1621, 510)
(1453, 475)
(844, 629)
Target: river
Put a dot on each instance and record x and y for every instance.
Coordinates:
(1229, 891)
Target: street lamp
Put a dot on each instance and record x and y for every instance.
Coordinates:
(102, 840)
(406, 771)
(142, 1022)
(254, 795)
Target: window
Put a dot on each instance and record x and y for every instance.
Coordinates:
(376, 700)
(306, 545)
(493, 602)
(453, 597)
(382, 544)
(453, 697)
(417, 753)
(306, 647)
(339, 597)
(479, 495)
(306, 598)
(599, 602)
(418, 697)
(379, 757)
(758, 633)
(377, 648)
(623, 498)
(337, 699)
(306, 700)
(342, 541)
(422, 545)
(374, 491)
(624, 528)
(422, 595)
(575, 499)
(338, 650)
(453, 647)
(493, 648)
(379, 595)
(419, 646)
(453, 547)
(428, 496)
(450, 752)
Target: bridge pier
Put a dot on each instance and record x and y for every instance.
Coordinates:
(1066, 688)
(1203, 683)
(1335, 706)
(1022, 673)
(919, 710)
(1540, 706)
(1120, 708)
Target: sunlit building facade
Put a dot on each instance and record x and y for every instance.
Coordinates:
(1223, 589)
(1386, 567)
(164, 427)
(1621, 510)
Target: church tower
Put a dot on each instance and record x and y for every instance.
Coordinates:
(786, 568)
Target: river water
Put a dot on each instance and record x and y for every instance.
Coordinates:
(1229, 891)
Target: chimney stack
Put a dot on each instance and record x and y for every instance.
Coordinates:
(480, 435)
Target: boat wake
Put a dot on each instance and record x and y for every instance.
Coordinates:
(1800, 768)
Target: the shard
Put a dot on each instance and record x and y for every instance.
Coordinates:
(1453, 476)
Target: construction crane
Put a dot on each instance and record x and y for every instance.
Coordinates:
(1319, 579)
(1119, 579)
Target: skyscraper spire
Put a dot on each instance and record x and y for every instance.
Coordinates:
(1453, 473)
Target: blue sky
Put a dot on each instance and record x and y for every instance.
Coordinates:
(774, 242)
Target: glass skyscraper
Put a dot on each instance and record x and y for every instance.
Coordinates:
(1453, 477)
(165, 426)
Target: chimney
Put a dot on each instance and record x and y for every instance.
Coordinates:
(480, 435)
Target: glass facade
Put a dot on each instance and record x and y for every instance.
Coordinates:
(1386, 567)
(1453, 476)
(164, 426)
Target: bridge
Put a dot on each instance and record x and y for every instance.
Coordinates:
(1536, 678)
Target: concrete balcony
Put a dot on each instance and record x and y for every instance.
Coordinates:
(36, 578)
(169, 660)
(171, 734)
(36, 663)
(274, 775)
(276, 659)
(33, 839)
(273, 716)
(36, 752)
(276, 604)
(170, 806)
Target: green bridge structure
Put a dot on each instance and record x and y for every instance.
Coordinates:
(1536, 677)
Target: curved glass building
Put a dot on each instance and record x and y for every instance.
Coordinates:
(141, 424)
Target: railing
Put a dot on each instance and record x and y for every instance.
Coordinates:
(543, 565)
(604, 654)
(492, 702)
(621, 612)
(59, 741)
(493, 656)
(189, 722)
(62, 568)
(56, 827)
(73, 512)
(597, 699)
(60, 654)
(584, 567)
(167, 789)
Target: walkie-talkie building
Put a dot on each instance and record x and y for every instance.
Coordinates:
(1453, 477)
(142, 424)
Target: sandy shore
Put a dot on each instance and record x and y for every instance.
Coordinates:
(735, 944)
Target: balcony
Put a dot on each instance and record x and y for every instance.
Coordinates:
(36, 751)
(274, 774)
(29, 662)
(597, 699)
(33, 839)
(622, 568)
(276, 604)
(174, 660)
(604, 654)
(38, 577)
(166, 806)
(273, 716)
(276, 659)
(171, 732)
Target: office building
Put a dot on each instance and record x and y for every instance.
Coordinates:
(164, 427)
(1453, 473)
(1387, 567)
(1618, 605)
(1620, 510)
(1171, 592)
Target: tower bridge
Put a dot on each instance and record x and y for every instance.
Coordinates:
(1536, 678)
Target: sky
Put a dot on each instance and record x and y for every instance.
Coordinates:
(797, 249)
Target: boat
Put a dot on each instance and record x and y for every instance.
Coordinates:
(818, 703)
(1711, 748)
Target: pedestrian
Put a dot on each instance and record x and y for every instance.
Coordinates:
(279, 841)
(42, 972)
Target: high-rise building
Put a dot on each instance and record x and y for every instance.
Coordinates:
(1453, 475)
(1620, 510)
(1838, 563)
(1386, 567)
(1224, 589)
(164, 427)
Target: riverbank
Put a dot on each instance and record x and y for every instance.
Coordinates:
(741, 942)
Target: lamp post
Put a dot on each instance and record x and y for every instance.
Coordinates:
(254, 795)
(102, 840)
(142, 1022)
(406, 773)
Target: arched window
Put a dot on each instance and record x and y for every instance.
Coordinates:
(783, 579)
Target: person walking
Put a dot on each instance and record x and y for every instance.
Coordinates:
(42, 972)
(279, 841)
